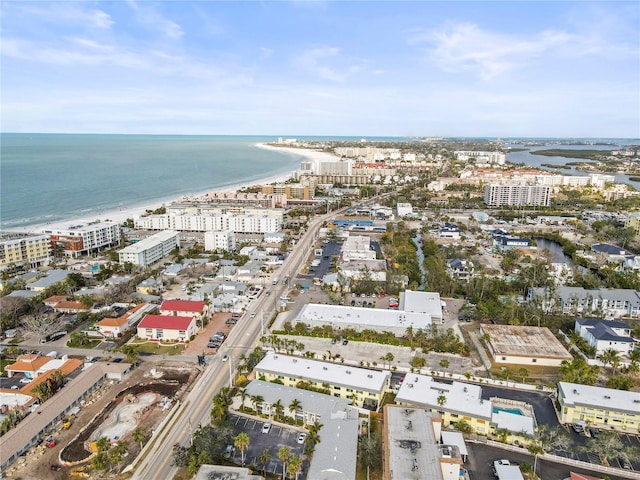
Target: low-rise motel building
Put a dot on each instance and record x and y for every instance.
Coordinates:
(456, 401)
(599, 407)
(412, 448)
(524, 345)
(364, 387)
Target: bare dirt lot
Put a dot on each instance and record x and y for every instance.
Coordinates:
(170, 381)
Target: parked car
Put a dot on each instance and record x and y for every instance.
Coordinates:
(231, 321)
(302, 437)
(213, 345)
(595, 433)
(25, 380)
(345, 341)
(266, 428)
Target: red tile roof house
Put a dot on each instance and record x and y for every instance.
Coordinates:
(165, 327)
(70, 307)
(115, 327)
(183, 308)
(52, 301)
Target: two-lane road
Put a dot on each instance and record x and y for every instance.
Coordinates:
(196, 408)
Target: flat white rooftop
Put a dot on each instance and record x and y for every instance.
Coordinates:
(325, 372)
(421, 302)
(600, 397)
(374, 318)
(149, 242)
(461, 398)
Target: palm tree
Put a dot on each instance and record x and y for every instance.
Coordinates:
(278, 408)
(284, 454)
(442, 399)
(139, 435)
(103, 444)
(118, 452)
(242, 442)
(612, 357)
(294, 406)
(264, 459)
(256, 400)
(410, 336)
(634, 361)
(243, 397)
(295, 465)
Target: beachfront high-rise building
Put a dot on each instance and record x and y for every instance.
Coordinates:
(517, 195)
(205, 222)
(150, 250)
(84, 238)
(498, 158)
(24, 250)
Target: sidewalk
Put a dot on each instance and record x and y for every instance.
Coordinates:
(486, 361)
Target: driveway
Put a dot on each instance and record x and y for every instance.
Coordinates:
(217, 324)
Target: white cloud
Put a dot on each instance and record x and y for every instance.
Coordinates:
(315, 61)
(148, 15)
(466, 47)
(73, 13)
(265, 53)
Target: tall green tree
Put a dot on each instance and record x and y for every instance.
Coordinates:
(242, 442)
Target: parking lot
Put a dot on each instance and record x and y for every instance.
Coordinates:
(277, 437)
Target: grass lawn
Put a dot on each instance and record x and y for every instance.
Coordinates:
(361, 470)
(85, 344)
(159, 349)
(534, 373)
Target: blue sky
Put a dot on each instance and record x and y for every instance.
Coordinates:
(322, 68)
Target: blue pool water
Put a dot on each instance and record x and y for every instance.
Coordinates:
(515, 411)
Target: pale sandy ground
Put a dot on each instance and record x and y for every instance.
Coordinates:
(121, 215)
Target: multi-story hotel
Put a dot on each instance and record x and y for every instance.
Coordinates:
(148, 251)
(499, 195)
(83, 239)
(365, 388)
(24, 250)
(599, 407)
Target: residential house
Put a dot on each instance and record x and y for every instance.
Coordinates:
(167, 328)
(460, 269)
(115, 327)
(606, 334)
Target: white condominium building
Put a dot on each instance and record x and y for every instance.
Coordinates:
(148, 251)
(81, 239)
(479, 156)
(194, 222)
(225, 241)
(499, 195)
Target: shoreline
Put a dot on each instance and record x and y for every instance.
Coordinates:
(121, 215)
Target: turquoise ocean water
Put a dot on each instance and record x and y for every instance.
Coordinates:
(52, 177)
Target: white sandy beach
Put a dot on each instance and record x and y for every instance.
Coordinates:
(121, 215)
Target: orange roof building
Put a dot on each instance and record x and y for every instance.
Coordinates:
(28, 364)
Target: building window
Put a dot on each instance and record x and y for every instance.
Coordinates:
(159, 333)
(149, 332)
(504, 358)
(534, 360)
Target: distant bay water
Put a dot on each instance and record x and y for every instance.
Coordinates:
(47, 178)
(538, 161)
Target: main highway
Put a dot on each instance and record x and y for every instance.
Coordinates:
(156, 460)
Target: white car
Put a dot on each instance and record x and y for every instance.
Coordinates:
(25, 380)
(225, 358)
(266, 428)
(302, 437)
(252, 315)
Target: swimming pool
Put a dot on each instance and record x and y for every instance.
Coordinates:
(515, 411)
